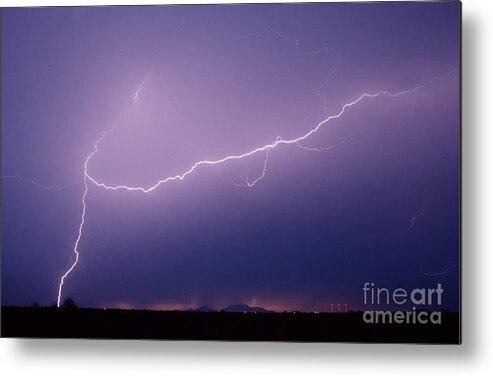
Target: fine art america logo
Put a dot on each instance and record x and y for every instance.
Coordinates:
(421, 300)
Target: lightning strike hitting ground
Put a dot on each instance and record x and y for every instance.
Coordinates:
(86, 188)
(180, 177)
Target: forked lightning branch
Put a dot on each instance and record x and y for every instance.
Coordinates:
(267, 148)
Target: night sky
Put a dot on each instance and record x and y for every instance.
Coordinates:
(381, 205)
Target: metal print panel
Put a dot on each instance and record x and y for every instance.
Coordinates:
(272, 172)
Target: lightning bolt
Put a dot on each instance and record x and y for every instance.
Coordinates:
(137, 93)
(263, 171)
(86, 189)
(267, 148)
(251, 184)
(325, 148)
(324, 49)
(35, 183)
(296, 41)
(437, 274)
(413, 223)
(278, 142)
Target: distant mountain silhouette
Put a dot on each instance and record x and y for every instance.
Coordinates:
(204, 309)
(244, 308)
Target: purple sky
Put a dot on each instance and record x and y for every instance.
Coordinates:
(225, 80)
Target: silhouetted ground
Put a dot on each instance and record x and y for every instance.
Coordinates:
(187, 325)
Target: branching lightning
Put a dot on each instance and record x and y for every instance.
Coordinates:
(86, 189)
(137, 93)
(325, 148)
(267, 149)
(278, 142)
(296, 41)
(35, 183)
(437, 274)
(410, 227)
(324, 49)
(251, 184)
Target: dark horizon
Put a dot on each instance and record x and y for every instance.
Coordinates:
(232, 326)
